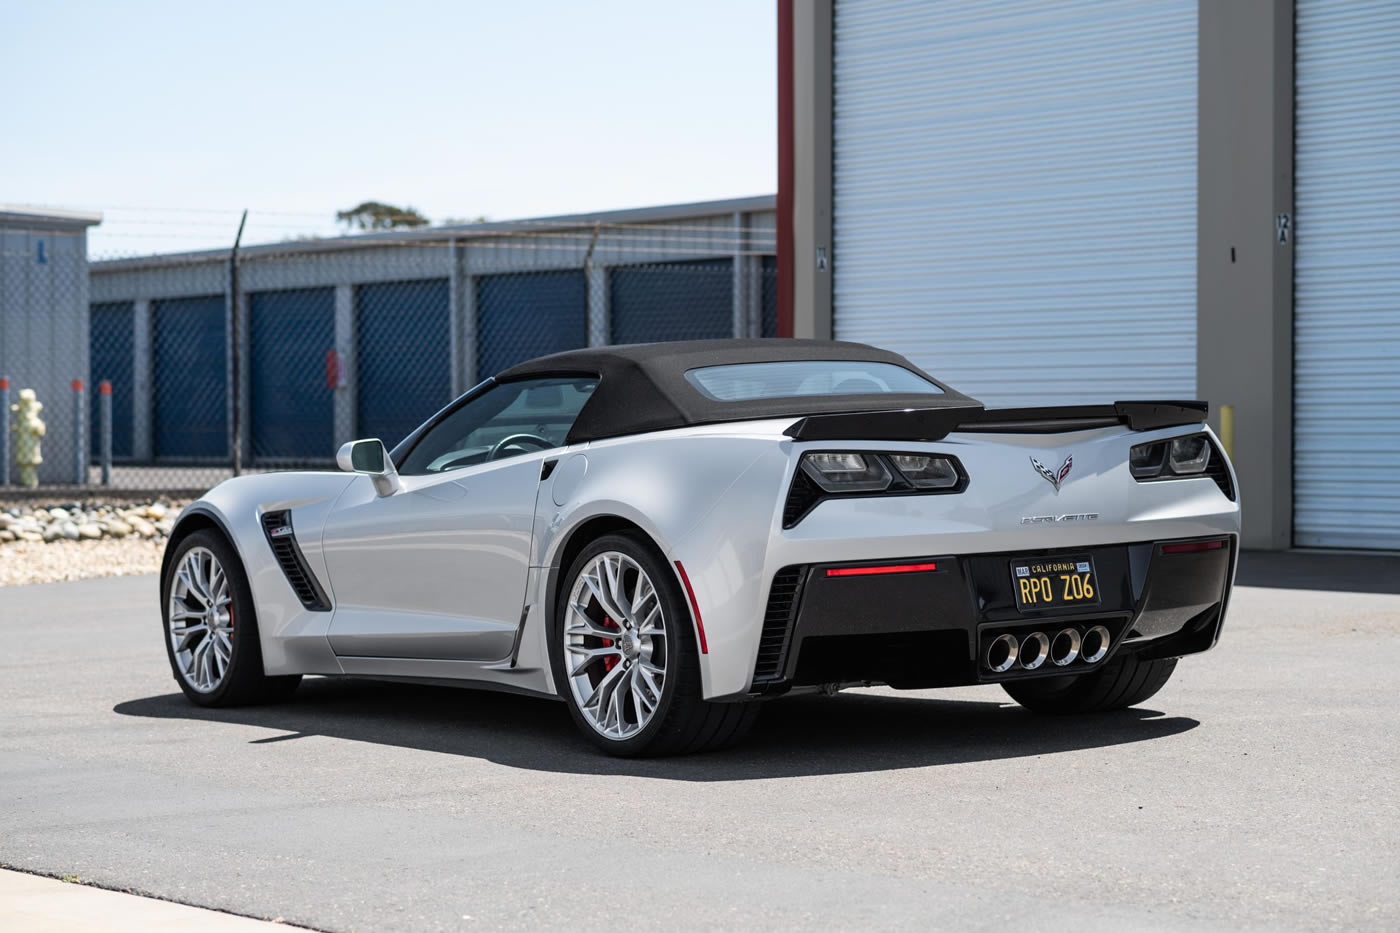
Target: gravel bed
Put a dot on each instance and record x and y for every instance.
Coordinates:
(49, 544)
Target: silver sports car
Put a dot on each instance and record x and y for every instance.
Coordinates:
(664, 535)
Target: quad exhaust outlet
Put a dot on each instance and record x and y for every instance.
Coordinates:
(1031, 652)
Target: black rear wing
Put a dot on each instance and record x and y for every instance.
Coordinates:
(934, 424)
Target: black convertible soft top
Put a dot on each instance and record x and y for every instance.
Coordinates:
(642, 387)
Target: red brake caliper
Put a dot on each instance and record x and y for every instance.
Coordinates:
(610, 661)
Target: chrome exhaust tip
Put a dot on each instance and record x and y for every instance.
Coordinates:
(1035, 648)
(1001, 654)
(1065, 647)
(1095, 644)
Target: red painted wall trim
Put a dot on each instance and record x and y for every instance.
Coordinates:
(785, 181)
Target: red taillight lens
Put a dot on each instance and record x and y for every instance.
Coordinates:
(1190, 546)
(885, 568)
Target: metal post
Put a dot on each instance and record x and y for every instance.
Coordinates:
(80, 458)
(104, 390)
(4, 431)
(235, 387)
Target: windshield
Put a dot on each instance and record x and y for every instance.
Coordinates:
(742, 382)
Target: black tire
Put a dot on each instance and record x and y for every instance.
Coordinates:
(243, 682)
(1123, 682)
(684, 722)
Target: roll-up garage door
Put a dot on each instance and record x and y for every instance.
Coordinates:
(111, 341)
(404, 362)
(691, 300)
(1346, 291)
(520, 316)
(190, 359)
(1015, 193)
(291, 332)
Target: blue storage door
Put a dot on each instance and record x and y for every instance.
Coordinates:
(293, 407)
(527, 314)
(768, 304)
(111, 342)
(190, 360)
(672, 301)
(404, 358)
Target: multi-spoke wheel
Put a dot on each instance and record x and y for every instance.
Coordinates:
(625, 658)
(200, 619)
(615, 636)
(211, 626)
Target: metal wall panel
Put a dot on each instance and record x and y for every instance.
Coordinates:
(1346, 486)
(111, 336)
(691, 300)
(190, 363)
(1014, 193)
(43, 335)
(404, 359)
(293, 408)
(524, 315)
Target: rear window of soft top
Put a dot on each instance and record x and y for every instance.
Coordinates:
(742, 382)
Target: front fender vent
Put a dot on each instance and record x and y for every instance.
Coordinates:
(278, 528)
(777, 624)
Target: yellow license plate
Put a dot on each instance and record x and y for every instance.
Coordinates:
(1052, 582)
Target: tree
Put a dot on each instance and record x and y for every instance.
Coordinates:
(375, 215)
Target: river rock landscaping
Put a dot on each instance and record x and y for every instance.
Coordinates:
(42, 544)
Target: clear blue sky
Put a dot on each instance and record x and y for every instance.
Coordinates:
(169, 117)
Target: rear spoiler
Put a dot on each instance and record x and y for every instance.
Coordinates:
(934, 424)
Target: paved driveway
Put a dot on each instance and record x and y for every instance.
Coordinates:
(1258, 790)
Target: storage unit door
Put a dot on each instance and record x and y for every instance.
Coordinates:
(190, 363)
(522, 315)
(1346, 279)
(690, 300)
(1015, 193)
(112, 341)
(403, 358)
(768, 298)
(291, 388)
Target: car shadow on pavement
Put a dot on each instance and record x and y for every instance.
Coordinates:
(852, 732)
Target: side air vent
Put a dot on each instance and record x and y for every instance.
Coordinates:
(1216, 470)
(777, 624)
(802, 496)
(278, 528)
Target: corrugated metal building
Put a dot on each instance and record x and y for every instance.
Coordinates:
(368, 335)
(43, 321)
(1088, 200)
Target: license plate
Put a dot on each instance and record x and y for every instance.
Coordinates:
(1053, 582)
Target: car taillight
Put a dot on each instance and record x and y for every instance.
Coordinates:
(834, 474)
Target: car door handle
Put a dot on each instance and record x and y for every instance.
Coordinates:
(547, 468)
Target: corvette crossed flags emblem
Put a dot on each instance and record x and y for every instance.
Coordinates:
(1055, 479)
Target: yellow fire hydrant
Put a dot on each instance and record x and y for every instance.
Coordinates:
(28, 427)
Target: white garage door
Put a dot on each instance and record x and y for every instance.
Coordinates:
(1346, 292)
(1015, 193)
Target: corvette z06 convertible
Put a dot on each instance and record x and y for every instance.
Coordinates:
(665, 535)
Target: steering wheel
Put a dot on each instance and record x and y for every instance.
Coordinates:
(513, 439)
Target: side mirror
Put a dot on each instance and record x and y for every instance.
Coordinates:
(370, 457)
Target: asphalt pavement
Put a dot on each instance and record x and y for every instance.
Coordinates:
(1256, 791)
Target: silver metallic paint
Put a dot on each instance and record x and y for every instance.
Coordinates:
(708, 496)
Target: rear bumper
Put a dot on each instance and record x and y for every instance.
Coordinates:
(930, 625)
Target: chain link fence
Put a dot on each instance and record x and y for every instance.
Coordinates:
(153, 371)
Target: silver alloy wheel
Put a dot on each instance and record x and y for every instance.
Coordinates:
(615, 645)
(201, 620)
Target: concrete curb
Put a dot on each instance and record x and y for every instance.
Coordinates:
(38, 904)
